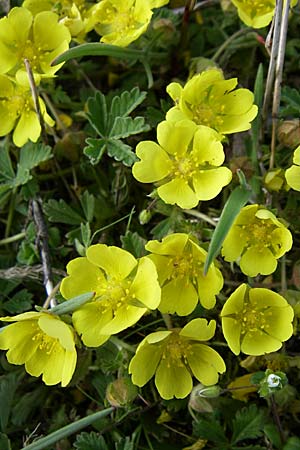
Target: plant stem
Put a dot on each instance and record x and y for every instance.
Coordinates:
(14, 238)
(278, 78)
(229, 40)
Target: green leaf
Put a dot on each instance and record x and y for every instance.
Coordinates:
(256, 124)
(60, 211)
(97, 114)
(126, 126)
(88, 441)
(293, 443)
(247, 424)
(87, 201)
(291, 98)
(26, 404)
(8, 387)
(95, 149)
(210, 430)
(237, 199)
(125, 444)
(121, 152)
(123, 105)
(134, 243)
(68, 430)
(4, 442)
(20, 302)
(85, 234)
(6, 169)
(31, 155)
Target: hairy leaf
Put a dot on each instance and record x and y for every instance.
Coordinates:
(210, 430)
(121, 152)
(126, 126)
(87, 201)
(88, 441)
(134, 243)
(247, 424)
(6, 169)
(123, 105)
(97, 114)
(95, 149)
(60, 211)
(31, 155)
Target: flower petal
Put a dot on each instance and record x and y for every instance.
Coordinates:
(258, 260)
(199, 330)
(125, 317)
(235, 303)
(175, 137)
(155, 163)
(205, 364)
(28, 127)
(258, 343)
(209, 183)
(57, 329)
(179, 192)
(115, 261)
(180, 296)
(172, 381)
(173, 244)
(232, 333)
(292, 176)
(207, 147)
(143, 365)
(89, 321)
(145, 286)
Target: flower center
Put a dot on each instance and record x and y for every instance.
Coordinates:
(185, 265)
(209, 112)
(30, 52)
(46, 343)
(258, 234)
(176, 350)
(114, 294)
(254, 320)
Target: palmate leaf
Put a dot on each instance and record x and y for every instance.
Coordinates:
(210, 430)
(290, 97)
(121, 152)
(6, 170)
(134, 243)
(126, 126)
(247, 424)
(31, 156)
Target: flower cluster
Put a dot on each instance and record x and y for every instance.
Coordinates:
(256, 240)
(186, 163)
(36, 40)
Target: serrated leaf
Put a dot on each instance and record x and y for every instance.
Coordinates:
(127, 126)
(121, 152)
(6, 169)
(60, 211)
(97, 113)
(212, 431)
(291, 97)
(20, 302)
(87, 201)
(124, 444)
(8, 386)
(95, 149)
(31, 155)
(123, 105)
(88, 441)
(247, 424)
(237, 199)
(134, 243)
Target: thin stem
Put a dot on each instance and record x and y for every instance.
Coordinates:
(229, 40)
(42, 241)
(35, 97)
(276, 418)
(10, 213)
(11, 239)
(121, 344)
(278, 78)
(168, 321)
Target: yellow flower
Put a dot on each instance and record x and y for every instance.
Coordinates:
(39, 39)
(17, 112)
(174, 356)
(256, 239)
(256, 321)
(209, 100)
(257, 13)
(185, 163)
(179, 262)
(119, 22)
(72, 13)
(44, 343)
(292, 174)
(124, 289)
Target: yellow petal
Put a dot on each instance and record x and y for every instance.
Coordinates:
(172, 380)
(115, 261)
